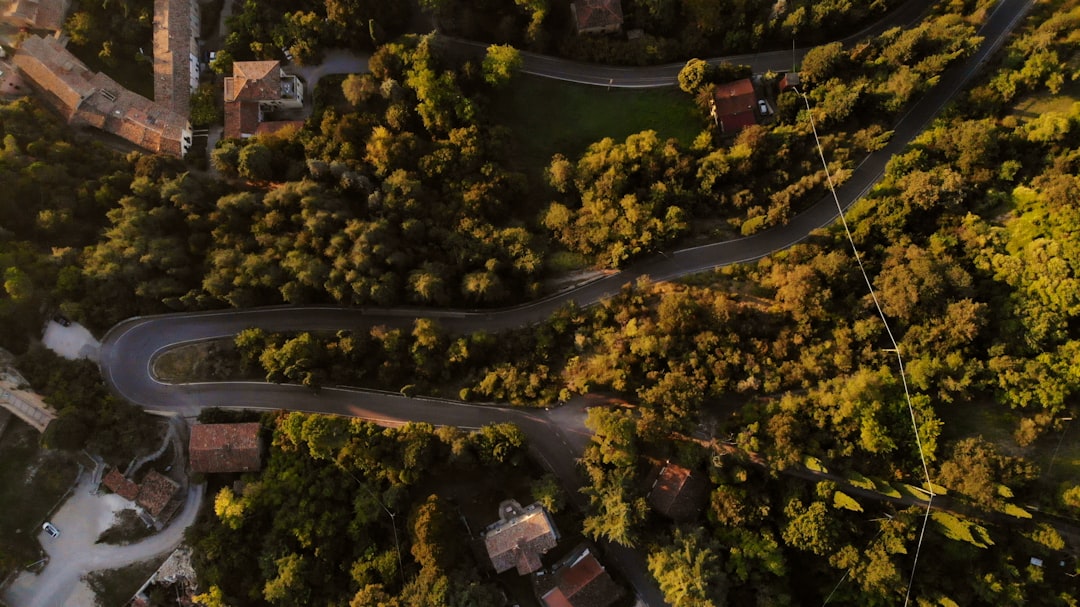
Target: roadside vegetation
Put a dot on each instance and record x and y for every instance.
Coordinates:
(346, 512)
(32, 480)
(667, 30)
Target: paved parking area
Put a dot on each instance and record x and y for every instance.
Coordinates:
(72, 342)
(82, 518)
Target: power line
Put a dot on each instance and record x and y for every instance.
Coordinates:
(895, 347)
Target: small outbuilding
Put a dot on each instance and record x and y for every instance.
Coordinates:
(678, 493)
(597, 16)
(155, 492)
(120, 485)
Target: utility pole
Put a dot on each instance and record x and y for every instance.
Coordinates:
(793, 54)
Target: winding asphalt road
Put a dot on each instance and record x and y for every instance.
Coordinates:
(558, 436)
(655, 76)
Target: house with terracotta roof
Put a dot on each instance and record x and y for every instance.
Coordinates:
(36, 14)
(120, 485)
(520, 538)
(86, 98)
(597, 16)
(255, 89)
(217, 448)
(176, 53)
(155, 492)
(733, 105)
(678, 493)
(577, 580)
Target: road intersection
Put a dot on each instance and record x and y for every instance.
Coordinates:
(129, 349)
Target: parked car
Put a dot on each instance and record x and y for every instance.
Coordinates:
(763, 107)
(51, 530)
(62, 320)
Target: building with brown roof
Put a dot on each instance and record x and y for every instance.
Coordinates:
(597, 16)
(257, 88)
(790, 81)
(520, 537)
(120, 485)
(155, 492)
(176, 53)
(677, 493)
(577, 580)
(86, 98)
(36, 14)
(225, 448)
(733, 105)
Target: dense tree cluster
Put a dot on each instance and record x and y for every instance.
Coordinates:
(89, 417)
(405, 198)
(344, 514)
(302, 31)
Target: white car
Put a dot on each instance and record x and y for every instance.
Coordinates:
(763, 107)
(51, 530)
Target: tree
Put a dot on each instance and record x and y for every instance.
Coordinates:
(255, 161)
(500, 63)
(694, 75)
(204, 108)
(689, 570)
(222, 63)
(810, 528)
(821, 63)
(549, 493)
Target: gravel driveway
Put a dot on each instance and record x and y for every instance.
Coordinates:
(81, 520)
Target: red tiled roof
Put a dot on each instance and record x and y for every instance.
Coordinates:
(155, 492)
(225, 448)
(174, 48)
(51, 69)
(241, 118)
(254, 81)
(598, 14)
(676, 492)
(120, 485)
(735, 103)
(92, 98)
(579, 581)
(520, 540)
(38, 14)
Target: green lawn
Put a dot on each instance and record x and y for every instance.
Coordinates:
(32, 479)
(548, 116)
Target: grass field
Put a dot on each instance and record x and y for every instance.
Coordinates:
(1057, 453)
(548, 116)
(32, 479)
(1043, 102)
